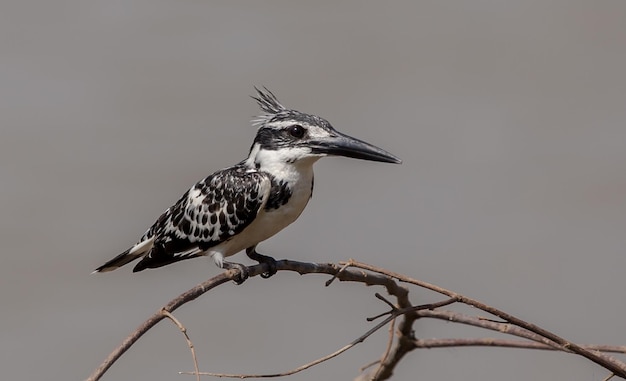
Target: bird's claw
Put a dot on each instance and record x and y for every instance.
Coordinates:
(271, 263)
(239, 276)
(263, 259)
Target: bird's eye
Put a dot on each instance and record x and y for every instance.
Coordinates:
(297, 131)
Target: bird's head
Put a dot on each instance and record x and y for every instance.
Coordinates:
(291, 136)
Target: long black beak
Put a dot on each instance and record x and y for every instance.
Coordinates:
(339, 144)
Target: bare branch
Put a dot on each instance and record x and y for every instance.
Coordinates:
(404, 343)
(345, 266)
(282, 374)
(450, 316)
(392, 328)
(614, 365)
(502, 343)
(157, 317)
(283, 265)
(407, 314)
(189, 343)
(359, 340)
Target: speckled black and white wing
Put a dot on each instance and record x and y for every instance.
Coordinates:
(211, 212)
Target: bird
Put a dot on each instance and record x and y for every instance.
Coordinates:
(236, 208)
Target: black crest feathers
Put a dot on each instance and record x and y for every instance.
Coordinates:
(267, 101)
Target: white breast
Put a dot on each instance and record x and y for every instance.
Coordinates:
(269, 222)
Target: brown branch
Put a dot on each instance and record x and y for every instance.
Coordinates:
(503, 343)
(389, 359)
(354, 272)
(392, 328)
(157, 317)
(610, 363)
(394, 314)
(350, 275)
(403, 346)
(182, 329)
(359, 340)
(418, 343)
(282, 374)
(454, 317)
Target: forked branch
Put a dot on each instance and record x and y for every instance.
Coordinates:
(401, 340)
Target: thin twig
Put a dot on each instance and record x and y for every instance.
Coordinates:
(299, 369)
(404, 343)
(157, 317)
(182, 329)
(402, 347)
(407, 310)
(380, 297)
(345, 266)
(282, 374)
(614, 365)
(302, 268)
(370, 276)
(419, 343)
(392, 328)
(506, 328)
(361, 369)
(503, 343)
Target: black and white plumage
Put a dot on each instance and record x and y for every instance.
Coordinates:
(236, 208)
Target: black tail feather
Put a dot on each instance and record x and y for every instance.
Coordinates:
(117, 262)
(158, 258)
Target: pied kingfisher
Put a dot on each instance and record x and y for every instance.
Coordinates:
(238, 207)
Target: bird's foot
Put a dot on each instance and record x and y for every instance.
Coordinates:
(241, 276)
(269, 261)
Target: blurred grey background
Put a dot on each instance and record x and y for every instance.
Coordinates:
(509, 116)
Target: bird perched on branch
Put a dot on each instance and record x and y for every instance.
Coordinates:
(237, 207)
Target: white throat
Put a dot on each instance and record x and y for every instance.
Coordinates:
(290, 164)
